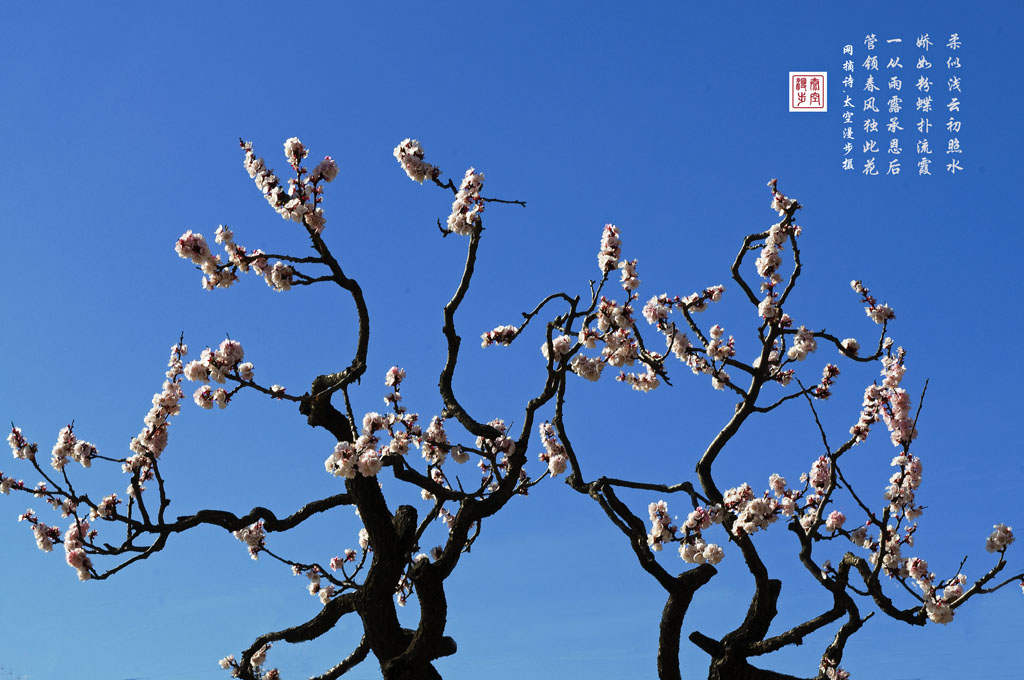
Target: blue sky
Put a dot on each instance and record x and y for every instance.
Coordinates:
(119, 128)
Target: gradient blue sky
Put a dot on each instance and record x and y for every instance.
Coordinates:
(119, 128)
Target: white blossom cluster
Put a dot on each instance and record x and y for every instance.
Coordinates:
(254, 538)
(889, 403)
(554, 451)
(300, 203)
(903, 484)
(217, 365)
(152, 439)
(878, 313)
(468, 204)
(20, 446)
(409, 154)
(502, 335)
(1000, 539)
(193, 246)
(692, 547)
(803, 344)
(69, 447)
(611, 249)
(74, 548)
(769, 260)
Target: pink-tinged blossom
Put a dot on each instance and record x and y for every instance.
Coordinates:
(399, 444)
(899, 418)
(204, 396)
(502, 444)
(835, 521)
(787, 506)
(314, 581)
(105, 508)
(554, 453)
(692, 549)
(221, 398)
(833, 672)
(777, 483)
(325, 596)
(878, 313)
(253, 537)
(630, 280)
(677, 343)
(8, 483)
(698, 520)
(719, 379)
(69, 447)
(803, 344)
(611, 249)
(265, 179)
(364, 539)
(295, 151)
(192, 246)
(859, 536)
(459, 455)
(820, 476)
(502, 335)
(719, 349)
(20, 446)
(620, 348)
(373, 422)
(560, 346)
(434, 442)
(468, 204)
(228, 662)
(326, 170)
(588, 337)
(753, 514)
(152, 439)
(74, 551)
(903, 484)
(662, 530)
(410, 154)
(394, 377)
(279, 277)
(939, 611)
(713, 554)
(1000, 539)
(369, 464)
(768, 262)
(260, 656)
(587, 367)
(230, 353)
(245, 371)
(851, 346)
(823, 390)
(734, 497)
(952, 592)
(768, 309)
(871, 406)
(657, 309)
(779, 201)
(196, 372)
(642, 382)
(611, 316)
(45, 536)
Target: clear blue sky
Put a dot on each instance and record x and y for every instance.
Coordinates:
(119, 127)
